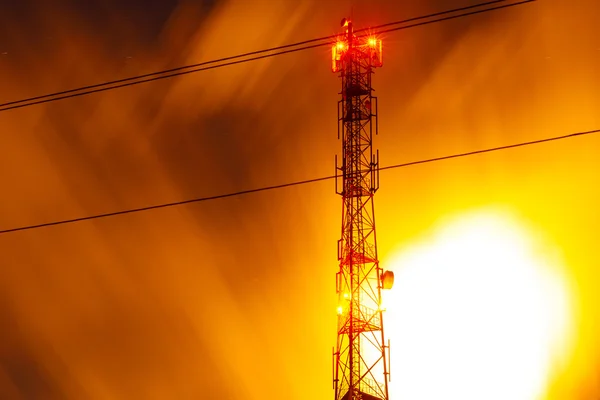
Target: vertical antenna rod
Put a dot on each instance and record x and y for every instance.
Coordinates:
(361, 372)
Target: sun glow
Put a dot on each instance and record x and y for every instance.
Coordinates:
(480, 310)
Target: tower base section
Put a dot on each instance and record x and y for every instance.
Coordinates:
(362, 395)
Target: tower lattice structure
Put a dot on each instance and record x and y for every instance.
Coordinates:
(361, 356)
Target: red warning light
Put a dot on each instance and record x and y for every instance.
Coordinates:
(337, 51)
(375, 49)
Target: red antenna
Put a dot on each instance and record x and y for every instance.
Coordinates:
(361, 356)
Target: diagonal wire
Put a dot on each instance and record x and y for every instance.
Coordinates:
(289, 184)
(437, 14)
(250, 56)
(456, 16)
(100, 88)
(167, 71)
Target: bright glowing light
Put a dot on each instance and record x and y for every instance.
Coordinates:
(341, 46)
(479, 311)
(340, 310)
(372, 42)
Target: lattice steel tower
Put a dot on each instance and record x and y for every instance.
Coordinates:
(361, 356)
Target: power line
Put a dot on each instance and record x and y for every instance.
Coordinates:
(437, 14)
(102, 88)
(158, 73)
(252, 56)
(482, 151)
(456, 16)
(289, 184)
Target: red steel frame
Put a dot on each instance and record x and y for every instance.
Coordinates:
(361, 369)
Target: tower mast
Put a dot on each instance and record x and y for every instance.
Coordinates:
(361, 355)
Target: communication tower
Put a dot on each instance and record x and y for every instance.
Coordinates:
(361, 357)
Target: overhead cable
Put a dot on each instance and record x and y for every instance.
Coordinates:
(289, 184)
(258, 54)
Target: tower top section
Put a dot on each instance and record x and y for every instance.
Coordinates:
(350, 47)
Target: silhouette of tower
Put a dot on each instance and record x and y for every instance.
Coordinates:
(361, 355)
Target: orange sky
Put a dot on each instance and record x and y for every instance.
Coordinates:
(235, 298)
